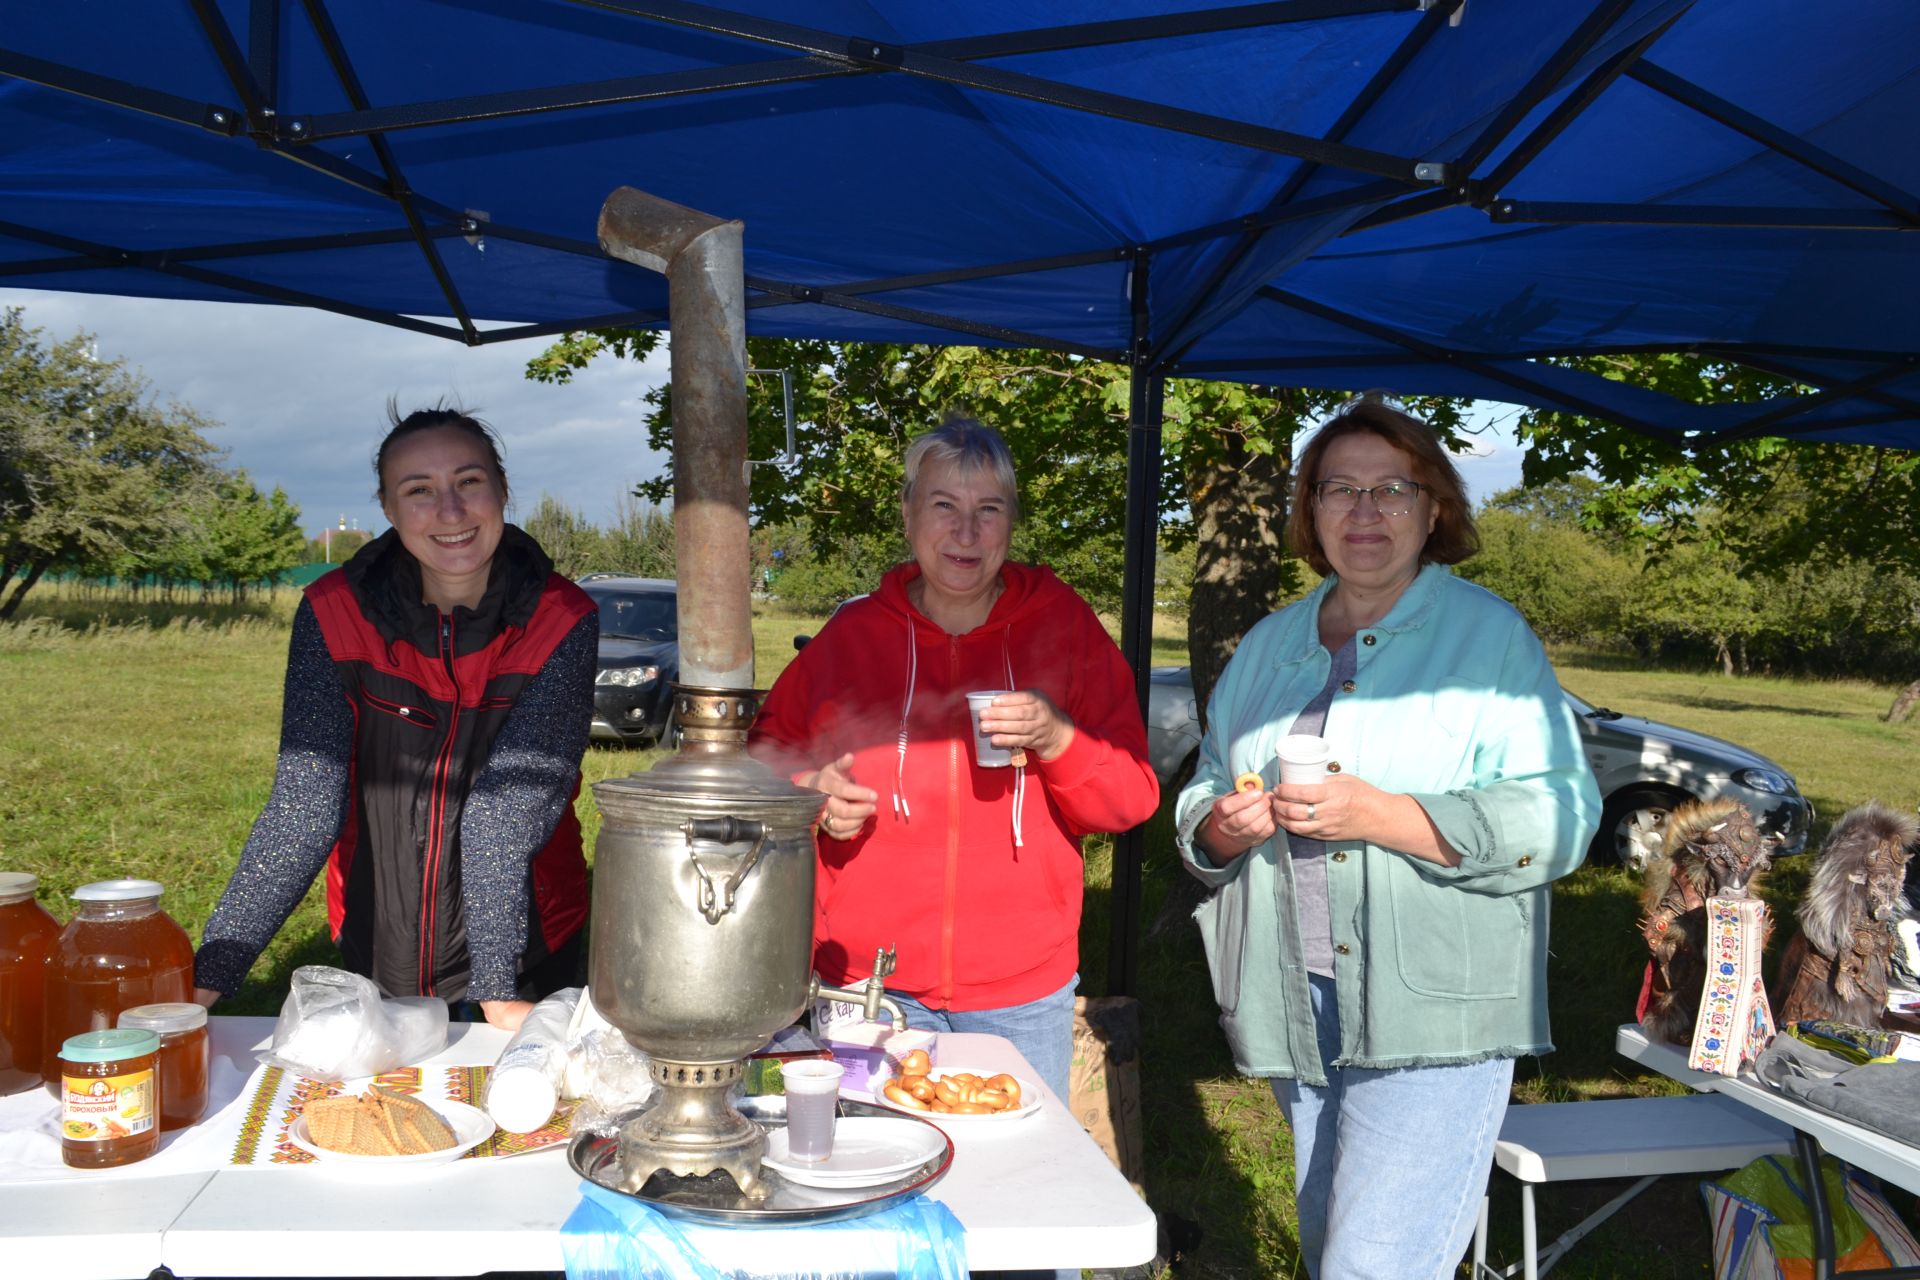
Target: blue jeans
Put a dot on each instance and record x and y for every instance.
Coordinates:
(1042, 1030)
(1389, 1165)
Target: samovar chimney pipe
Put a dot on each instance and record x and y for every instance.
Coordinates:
(703, 259)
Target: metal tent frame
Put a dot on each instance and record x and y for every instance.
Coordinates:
(285, 98)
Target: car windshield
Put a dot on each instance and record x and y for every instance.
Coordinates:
(638, 615)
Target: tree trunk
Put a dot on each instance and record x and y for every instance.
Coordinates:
(1723, 655)
(1239, 506)
(1903, 705)
(25, 585)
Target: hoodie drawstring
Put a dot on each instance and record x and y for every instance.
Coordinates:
(1019, 770)
(901, 810)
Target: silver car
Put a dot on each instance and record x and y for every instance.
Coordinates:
(1645, 770)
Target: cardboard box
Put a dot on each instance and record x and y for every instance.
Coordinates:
(792, 1044)
(871, 1052)
(1104, 1093)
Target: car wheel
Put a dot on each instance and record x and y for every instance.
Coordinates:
(1633, 827)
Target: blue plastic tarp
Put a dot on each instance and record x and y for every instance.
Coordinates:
(1430, 197)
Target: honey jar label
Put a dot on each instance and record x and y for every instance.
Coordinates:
(107, 1108)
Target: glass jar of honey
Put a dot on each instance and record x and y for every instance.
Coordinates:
(108, 1104)
(184, 1058)
(26, 931)
(119, 950)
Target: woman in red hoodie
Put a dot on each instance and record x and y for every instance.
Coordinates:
(971, 875)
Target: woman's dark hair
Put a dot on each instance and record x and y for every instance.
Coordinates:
(1453, 538)
(429, 419)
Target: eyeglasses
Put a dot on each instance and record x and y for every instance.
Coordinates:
(1396, 498)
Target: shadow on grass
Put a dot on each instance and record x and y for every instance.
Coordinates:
(1219, 1163)
(1735, 704)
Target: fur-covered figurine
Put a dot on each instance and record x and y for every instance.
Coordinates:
(1712, 850)
(1838, 967)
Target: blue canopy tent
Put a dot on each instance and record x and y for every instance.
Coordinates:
(1430, 195)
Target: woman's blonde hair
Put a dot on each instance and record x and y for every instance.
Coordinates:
(968, 446)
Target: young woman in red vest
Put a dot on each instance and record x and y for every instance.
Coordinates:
(438, 696)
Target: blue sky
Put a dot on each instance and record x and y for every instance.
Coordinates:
(301, 399)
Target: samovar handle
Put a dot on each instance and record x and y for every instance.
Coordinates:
(716, 903)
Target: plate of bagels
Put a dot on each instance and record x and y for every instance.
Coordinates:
(975, 1094)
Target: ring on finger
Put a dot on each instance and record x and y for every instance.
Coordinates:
(1310, 810)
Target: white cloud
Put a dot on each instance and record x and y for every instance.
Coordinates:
(301, 396)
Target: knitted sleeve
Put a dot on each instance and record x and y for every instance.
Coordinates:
(295, 832)
(526, 785)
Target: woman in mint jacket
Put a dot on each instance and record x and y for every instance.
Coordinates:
(1378, 941)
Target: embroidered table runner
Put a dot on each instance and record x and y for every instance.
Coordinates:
(275, 1097)
(1735, 1021)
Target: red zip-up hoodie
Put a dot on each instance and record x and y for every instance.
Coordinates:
(973, 875)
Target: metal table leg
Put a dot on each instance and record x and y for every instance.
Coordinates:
(1817, 1205)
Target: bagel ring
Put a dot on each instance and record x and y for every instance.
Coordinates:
(1249, 782)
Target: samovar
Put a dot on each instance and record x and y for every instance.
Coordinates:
(703, 874)
(703, 934)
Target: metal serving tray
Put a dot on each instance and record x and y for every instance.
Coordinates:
(715, 1199)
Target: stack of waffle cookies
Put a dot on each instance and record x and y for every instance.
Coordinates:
(378, 1122)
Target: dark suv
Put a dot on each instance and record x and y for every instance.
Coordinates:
(639, 657)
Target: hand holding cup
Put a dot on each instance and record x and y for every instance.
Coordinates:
(1006, 722)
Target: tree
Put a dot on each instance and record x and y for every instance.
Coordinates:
(1566, 582)
(335, 546)
(92, 476)
(1228, 451)
(565, 535)
(1781, 504)
(248, 537)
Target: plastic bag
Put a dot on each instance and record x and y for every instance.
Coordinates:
(615, 1079)
(336, 1026)
(1763, 1226)
(615, 1237)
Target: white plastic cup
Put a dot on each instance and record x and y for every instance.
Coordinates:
(985, 754)
(1303, 758)
(813, 1095)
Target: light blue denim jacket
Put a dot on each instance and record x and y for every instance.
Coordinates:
(1455, 704)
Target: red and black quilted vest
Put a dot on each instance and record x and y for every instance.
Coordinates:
(430, 692)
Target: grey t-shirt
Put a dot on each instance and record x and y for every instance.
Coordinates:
(1310, 856)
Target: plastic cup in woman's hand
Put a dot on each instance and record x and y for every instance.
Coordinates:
(1303, 758)
(985, 754)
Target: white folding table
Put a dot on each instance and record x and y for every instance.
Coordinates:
(1640, 1138)
(1036, 1193)
(1814, 1131)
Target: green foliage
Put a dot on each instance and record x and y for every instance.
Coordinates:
(564, 534)
(240, 536)
(96, 480)
(335, 546)
(1566, 583)
(638, 542)
(814, 583)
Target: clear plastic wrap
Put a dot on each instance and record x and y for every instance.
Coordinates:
(615, 1080)
(336, 1026)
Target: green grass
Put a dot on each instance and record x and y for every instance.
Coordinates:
(129, 748)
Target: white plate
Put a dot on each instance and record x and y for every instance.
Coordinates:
(471, 1127)
(1029, 1098)
(867, 1150)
